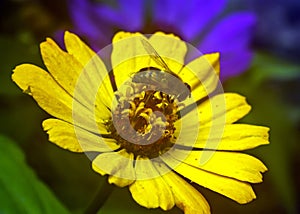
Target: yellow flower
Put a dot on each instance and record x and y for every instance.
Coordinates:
(148, 126)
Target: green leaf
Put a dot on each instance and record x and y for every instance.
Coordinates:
(21, 190)
(16, 50)
(266, 66)
(269, 109)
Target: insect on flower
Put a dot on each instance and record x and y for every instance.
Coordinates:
(154, 76)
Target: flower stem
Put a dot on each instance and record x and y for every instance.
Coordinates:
(100, 198)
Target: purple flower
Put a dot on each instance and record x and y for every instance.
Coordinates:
(199, 22)
(281, 18)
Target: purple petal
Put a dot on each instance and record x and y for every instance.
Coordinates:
(166, 10)
(80, 12)
(86, 21)
(233, 64)
(129, 14)
(234, 31)
(59, 38)
(231, 37)
(189, 17)
(98, 22)
(133, 12)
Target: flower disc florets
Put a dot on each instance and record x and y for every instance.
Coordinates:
(143, 120)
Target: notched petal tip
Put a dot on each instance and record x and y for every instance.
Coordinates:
(119, 165)
(236, 107)
(62, 134)
(171, 35)
(123, 35)
(72, 39)
(98, 170)
(120, 182)
(22, 73)
(28, 91)
(48, 41)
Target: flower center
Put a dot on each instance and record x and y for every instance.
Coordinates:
(143, 121)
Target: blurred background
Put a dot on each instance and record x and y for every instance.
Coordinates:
(38, 177)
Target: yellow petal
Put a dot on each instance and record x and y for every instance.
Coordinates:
(76, 47)
(230, 164)
(64, 68)
(94, 73)
(209, 119)
(48, 94)
(188, 128)
(223, 108)
(78, 81)
(235, 137)
(129, 55)
(211, 116)
(151, 193)
(202, 74)
(170, 48)
(239, 191)
(231, 137)
(103, 98)
(119, 165)
(52, 98)
(120, 182)
(186, 196)
(76, 139)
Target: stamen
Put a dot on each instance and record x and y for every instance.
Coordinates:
(143, 121)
